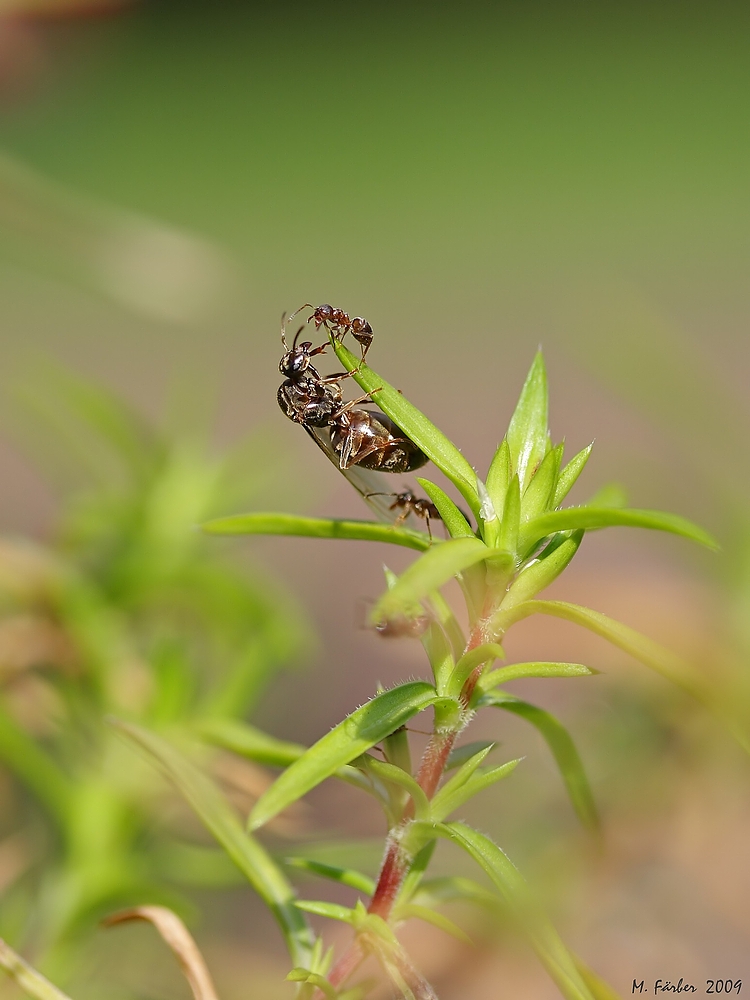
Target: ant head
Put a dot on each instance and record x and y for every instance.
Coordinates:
(322, 314)
(295, 358)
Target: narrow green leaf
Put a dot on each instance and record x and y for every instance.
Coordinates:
(439, 649)
(563, 749)
(434, 568)
(415, 425)
(486, 653)
(300, 975)
(447, 620)
(540, 572)
(331, 910)
(416, 872)
(361, 730)
(454, 520)
(508, 880)
(459, 755)
(459, 780)
(569, 474)
(247, 741)
(30, 981)
(344, 876)
(477, 781)
(511, 522)
(607, 517)
(432, 917)
(527, 433)
(498, 477)
(538, 494)
(316, 527)
(217, 815)
(653, 655)
(397, 750)
(514, 671)
(390, 773)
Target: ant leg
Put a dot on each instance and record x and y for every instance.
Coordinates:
(427, 523)
(360, 399)
(338, 376)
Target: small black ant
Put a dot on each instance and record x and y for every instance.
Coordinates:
(407, 503)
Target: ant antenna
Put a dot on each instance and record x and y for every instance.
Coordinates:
(296, 336)
(283, 331)
(306, 305)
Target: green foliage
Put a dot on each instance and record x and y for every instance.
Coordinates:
(130, 611)
(522, 543)
(507, 879)
(365, 727)
(315, 527)
(563, 749)
(141, 588)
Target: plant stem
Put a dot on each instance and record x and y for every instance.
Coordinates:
(31, 982)
(345, 967)
(396, 862)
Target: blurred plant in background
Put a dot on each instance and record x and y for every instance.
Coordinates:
(126, 612)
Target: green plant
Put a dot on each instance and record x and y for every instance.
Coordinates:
(523, 541)
(128, 612)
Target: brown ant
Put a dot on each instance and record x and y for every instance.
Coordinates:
(339, 323)
(305, 396)
(407, 503)
(372, 440)
(357, 437)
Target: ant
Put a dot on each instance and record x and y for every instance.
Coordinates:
(357, 436)
(407, 503)
(372, 440)
(304, 395)
(339, 323)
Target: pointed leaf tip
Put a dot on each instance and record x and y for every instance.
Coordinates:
(527, 432)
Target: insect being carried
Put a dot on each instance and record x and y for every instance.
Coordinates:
(356, 440)
(407, 503)
(372, 440)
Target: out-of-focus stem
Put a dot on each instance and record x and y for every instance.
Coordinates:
(31, 982)
(346, 966)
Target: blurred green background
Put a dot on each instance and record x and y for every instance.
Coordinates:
(474, 179)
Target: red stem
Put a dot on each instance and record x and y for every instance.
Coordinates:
(396, 864)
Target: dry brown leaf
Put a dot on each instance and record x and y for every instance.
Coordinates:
(179, 939)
